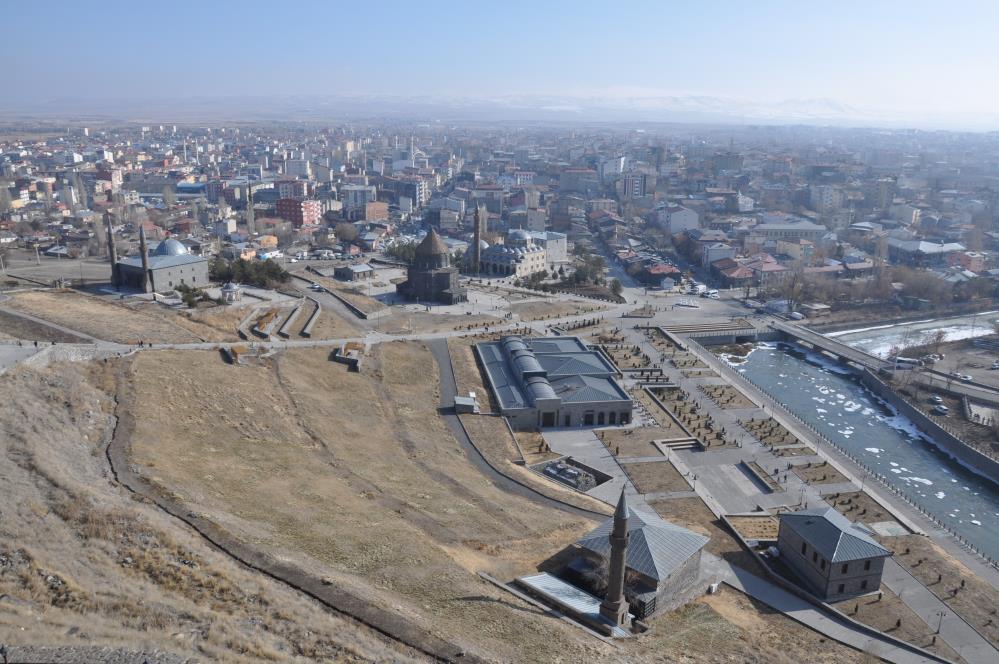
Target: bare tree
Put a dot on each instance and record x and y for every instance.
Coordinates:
(345, 232)
(169, 196)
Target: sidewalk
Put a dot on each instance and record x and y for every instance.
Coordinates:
(803, 612)
(958, 634)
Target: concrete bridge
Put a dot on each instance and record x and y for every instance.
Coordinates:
(927, 377)
(842, 352)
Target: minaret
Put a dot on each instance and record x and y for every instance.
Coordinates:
(481, 215)
(615, 607)
(147, 275)
(251, 222)
(112, 250)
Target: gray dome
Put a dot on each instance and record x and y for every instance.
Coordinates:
(170, 247)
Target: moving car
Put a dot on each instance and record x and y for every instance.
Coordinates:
(995, 365)
(936, 398)
(940, 409)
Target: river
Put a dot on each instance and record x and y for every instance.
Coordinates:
(831, 399)
(880, 339)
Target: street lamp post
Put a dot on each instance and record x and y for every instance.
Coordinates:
(940, 616)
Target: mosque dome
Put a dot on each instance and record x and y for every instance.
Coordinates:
(483, 245)
(170, 247)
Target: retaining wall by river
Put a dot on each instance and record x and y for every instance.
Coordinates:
(938, 436)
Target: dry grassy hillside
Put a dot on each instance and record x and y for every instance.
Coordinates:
(82, 562)
(355, 477)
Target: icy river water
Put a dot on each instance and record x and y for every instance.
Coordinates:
(834, 402)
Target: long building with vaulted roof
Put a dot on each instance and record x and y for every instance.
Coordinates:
(553, 382)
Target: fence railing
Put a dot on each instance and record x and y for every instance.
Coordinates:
(777, 408)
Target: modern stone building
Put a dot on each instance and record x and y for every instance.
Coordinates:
(834, 557)
(553, 382)
(662, 560)
(519, 257)
(431, 277)
(168, 265)
(556, 246)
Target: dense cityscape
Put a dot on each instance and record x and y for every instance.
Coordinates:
(542, 376)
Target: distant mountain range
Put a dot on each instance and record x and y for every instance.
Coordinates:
(591, 108)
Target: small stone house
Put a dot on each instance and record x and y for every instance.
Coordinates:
(834, 557)
(662, 560)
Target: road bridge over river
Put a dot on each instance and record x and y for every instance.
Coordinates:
(929, 378)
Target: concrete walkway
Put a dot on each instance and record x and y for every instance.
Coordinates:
(584, 446)
(958, 634)
(805, 613)
(727, 488)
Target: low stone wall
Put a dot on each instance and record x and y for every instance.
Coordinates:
(944, 440)
(307, 330)
(285, 330)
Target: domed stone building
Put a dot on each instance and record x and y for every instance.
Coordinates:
(431, 277)
(519, 257)
(167, 266)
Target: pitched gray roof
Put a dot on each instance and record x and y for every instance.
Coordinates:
(656, 548)
(580, 389)
(835, 537)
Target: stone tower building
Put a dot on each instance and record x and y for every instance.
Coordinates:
(615, 607)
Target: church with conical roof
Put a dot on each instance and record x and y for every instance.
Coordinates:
(431, 277)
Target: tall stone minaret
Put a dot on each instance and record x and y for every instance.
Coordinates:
(147, 275)
(615, 607)
(251, 220)
(481, 215)
(112, 250)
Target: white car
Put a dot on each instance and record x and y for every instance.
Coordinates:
(995, 365)
(965, 378)
(936, 398)
(941, 409)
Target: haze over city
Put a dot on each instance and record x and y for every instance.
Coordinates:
(487, 333)
(920, 64)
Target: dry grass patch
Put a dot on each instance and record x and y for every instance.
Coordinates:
(637, 442)
(726, 396)
(769, 637)
(763, 527)
(819, 472)
(555, 309)
(356, 477)
(692, 513)
(977, 601)
(15, 327)
(655, 477)
(331, 325)
(81, 562)
(887, 613)
(467, 374)
(859, 506)
(404, 321)
(99, 318)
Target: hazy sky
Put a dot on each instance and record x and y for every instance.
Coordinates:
(940, 57)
